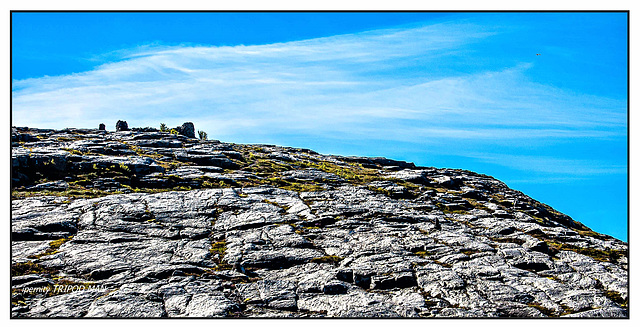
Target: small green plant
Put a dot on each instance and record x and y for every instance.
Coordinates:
(124, 167)
(202, 135)
(218, 248)
(49, 163)
(163, 127)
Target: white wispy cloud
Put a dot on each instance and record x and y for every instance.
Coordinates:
(566, 168)
(375, 85)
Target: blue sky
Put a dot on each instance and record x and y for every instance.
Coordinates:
(458, 90)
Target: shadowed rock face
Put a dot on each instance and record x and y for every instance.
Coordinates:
(152, 224)
(187, 129)
(122, 125)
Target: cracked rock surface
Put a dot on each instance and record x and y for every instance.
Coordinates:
(151, 224)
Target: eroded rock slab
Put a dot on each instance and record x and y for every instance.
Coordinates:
(150, 224)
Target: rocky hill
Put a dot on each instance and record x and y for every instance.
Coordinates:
(153, 224)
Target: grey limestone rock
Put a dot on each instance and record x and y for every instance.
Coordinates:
(170, 226)
(53, 186)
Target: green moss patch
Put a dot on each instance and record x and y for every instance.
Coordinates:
(617, 298)
(30, 267)
(447, 210)
(294, 186)
(53, 248)
(590, 233)
(354, 174)
(542, 309)
(71, 193)
(599, 255)
(283, 207)
(219, 248)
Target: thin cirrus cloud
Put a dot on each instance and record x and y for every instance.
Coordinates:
(565, 168)
(374, 85)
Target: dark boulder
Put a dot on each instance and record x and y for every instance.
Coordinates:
(122, 125)
(187, 129)
(335, 287)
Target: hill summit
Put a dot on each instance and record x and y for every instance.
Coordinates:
(143, 223)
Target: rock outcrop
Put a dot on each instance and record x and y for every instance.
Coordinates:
(122, 125)
(187, 129)
(152, 224)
